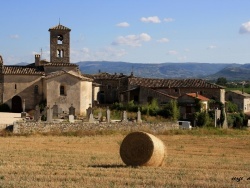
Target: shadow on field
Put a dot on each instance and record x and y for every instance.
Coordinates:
(108, 166)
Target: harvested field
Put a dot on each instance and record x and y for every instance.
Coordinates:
(94, 161)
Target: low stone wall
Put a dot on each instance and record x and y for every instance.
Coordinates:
(3, 126)
(44, 127)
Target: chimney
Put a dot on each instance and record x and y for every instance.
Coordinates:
(132, 74)
(197, 94)
(37, 60)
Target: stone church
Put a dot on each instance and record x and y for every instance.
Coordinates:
(56, 81)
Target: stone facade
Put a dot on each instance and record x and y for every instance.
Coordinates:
(110, 87)
(188, 104)
(144, 95)
(240, 98)
(68, 89)
(55, 81)
(28, 87)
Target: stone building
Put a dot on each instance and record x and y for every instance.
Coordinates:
(240, 98)
(57, 81)
(110, 87)
(189, 104)
(122, 88)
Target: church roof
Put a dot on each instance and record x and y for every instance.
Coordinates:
(59, 27)
(23, 70)
(60, 65)
(172, 83)
(72, 73)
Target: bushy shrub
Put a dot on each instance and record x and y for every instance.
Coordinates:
(4, 108)
(237, 120)
(132, 107)
(202, 119)
(117, 106)
(171, 110)
(231, 107)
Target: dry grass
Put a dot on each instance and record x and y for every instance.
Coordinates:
(94, 161)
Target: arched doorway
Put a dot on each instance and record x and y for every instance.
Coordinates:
(16, 104)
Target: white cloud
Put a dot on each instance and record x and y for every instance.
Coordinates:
(182, 58)
(16, 36)
(132, 40)
(107, 53)
(152, 19)
(172, 52)
(163, 40)
(168, 19)
(245, 28)
(123, 24)
(211, 47)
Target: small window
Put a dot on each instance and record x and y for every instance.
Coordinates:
(15, 86)
(62, 90)
(60, 53)
(36, 89)
(176, 90)
(59, 39)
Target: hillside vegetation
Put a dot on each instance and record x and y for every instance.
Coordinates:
(162, 70)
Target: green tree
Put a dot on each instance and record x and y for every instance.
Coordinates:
(221, 81)
(153, 107)
(231, 107)
(172, 110)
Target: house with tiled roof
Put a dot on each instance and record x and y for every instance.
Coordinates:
(57, 81)
(190, 103)
(240, 98)
(175, 88)
(125, 88)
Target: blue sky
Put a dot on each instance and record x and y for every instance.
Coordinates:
(137, 31)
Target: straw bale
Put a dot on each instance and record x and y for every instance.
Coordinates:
(142, 149)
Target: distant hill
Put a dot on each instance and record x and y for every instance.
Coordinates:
(210, 71)
(162, 70)
(233, 72)
(22, 64)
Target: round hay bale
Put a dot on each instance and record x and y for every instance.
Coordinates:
(142, 149)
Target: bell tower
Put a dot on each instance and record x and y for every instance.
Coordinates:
(59, 44)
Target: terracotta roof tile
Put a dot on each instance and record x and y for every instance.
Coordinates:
(60, 65)
(244, 94)
(105, 75)
(198, 96)
(59, 27)
(172, 83)
(23, 70)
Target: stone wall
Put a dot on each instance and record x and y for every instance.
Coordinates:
(23, 86)
(59, 127)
